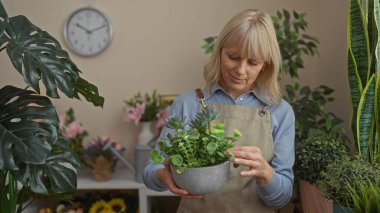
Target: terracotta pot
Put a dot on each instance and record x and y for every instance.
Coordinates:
(102, 169)
(312, 200)
(204, 180)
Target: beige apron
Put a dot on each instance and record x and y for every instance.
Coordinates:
(239, 193)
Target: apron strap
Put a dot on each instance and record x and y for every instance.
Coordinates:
(200, 97)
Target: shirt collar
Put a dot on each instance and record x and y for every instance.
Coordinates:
(259, 95)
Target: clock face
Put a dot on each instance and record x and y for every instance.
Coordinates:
(88, 32)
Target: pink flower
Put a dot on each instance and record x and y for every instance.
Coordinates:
(75, 128)
(62, 119)
(161, 116)
(134, 113)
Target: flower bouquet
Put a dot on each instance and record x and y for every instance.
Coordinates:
(100, 159)
(72, 132)
(145, 108)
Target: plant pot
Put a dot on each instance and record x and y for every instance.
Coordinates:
(340, 209)
(312, 200)
(102, 169)
(204, 180)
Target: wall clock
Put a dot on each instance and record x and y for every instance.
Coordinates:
(88, 32)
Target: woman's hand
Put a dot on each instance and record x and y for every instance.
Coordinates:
(165, 176)
(257, 166)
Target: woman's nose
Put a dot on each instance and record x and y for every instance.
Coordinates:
(242, 67)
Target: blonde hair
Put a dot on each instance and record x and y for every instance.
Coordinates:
(254, 30)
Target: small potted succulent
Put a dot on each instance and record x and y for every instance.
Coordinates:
(198, 156)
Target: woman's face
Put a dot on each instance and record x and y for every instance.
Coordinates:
(238, 72)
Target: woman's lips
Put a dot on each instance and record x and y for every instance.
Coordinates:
(237, 80)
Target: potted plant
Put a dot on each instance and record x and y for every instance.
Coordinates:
(342, 182)
(363, 63)
(198, 156)
(313, 155)
(99, 158)
(33, 159)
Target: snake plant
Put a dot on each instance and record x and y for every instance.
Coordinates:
(364, 76)
(33, 160)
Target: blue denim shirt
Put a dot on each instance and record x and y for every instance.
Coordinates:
(279, 191)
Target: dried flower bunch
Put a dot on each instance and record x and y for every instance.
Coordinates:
(143, 108)
(95, 148)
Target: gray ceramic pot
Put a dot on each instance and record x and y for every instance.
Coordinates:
(204, 180)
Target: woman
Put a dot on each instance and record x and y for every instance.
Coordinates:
(241, 83)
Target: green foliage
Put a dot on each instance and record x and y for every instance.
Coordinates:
(363, 57)
(294, 43)
(347, 175)
(308, 106)
(203, 144)
(366, 198)
(33, 159)
(316, 152)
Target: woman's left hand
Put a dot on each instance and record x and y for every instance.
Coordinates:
(258, 167)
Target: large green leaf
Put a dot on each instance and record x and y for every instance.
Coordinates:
(357, 39)
(28, 127)
(356, 90)
(377, 92)
(38, 56)
(58, 175)
(365, 120)
(3, 20)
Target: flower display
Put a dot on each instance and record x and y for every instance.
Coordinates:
(95, 148)
(73, 132)
(147, 107)
(115, 205)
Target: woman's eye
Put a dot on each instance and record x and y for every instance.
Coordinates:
(251, 62)
(233, 57)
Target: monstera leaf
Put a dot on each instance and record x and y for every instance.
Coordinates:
(38, 56)
(28, 127)
(28, 141)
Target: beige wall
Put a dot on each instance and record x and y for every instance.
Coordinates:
(156, 45)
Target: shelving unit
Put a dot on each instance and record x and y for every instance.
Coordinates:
(121, 179)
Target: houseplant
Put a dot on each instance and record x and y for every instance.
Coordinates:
(33, 159)
(343, 181)
(201, 148)
(345, 177)
(319, 149)
(363, 60)
(144, 110)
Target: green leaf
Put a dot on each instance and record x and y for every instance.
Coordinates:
(28, 127)
(176, 160)
(365, 119)
(356, 90)
(211, 148)
(237, 133)
(88, 91)
(358, 39)
(156, 157)
(38, 56)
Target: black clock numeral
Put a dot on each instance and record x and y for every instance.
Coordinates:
(90, 49)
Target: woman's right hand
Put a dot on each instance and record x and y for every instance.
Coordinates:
(165, 177)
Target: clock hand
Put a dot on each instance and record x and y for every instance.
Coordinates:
(98, 28)
(83, 28)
